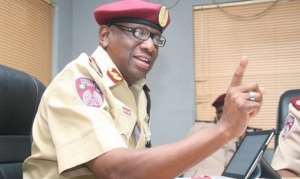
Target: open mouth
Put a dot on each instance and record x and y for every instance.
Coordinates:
(143, 63)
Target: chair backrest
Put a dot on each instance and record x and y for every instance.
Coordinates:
(266, 170)
(20, 95)
(283, 110)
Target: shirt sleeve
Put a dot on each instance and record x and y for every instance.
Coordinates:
(80, 124)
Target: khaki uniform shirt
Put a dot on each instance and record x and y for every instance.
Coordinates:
(86, 111)
(215, 163)
(287, 154)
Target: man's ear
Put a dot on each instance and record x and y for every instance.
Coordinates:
(104, 36)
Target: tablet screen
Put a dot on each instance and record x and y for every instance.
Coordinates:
(250, 149)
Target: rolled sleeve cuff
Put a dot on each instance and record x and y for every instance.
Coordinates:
(83, 150)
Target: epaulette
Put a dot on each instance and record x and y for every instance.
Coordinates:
(95, 66)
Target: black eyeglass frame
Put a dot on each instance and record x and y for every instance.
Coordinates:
(134, 31)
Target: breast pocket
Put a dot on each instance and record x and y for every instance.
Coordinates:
(125, 120)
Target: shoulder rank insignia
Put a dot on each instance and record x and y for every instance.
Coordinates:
(89, 92)
(114, 75)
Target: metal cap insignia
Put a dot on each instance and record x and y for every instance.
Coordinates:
(163, 16)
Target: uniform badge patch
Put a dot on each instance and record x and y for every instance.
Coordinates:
(289, 123)
(89, 92)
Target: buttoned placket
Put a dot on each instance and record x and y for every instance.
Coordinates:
(142, 114)
(120, 95)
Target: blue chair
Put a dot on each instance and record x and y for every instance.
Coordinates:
(266, 169)
(20, 95)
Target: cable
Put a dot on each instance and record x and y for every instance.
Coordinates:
(251, 17)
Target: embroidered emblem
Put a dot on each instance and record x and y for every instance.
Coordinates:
(289, 123)
(114, 75)
(126, 110)
(89, 92)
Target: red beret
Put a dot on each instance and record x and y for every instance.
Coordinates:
(296, 102)
(219, 101)
(135, 11)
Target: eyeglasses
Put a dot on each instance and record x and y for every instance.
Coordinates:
(143, 34)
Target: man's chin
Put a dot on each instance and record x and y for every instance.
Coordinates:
(135, 77)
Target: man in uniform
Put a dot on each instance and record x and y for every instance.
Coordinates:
(92, 121)
(215, 163)
(286, 158)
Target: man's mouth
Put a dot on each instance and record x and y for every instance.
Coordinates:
(143, 62)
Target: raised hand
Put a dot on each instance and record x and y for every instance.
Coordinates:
(242, 102)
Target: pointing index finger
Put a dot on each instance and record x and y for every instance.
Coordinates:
(239, 73)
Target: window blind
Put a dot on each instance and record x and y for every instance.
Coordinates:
(26, 36)
(271, 42)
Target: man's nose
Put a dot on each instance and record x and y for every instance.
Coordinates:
(148, 45)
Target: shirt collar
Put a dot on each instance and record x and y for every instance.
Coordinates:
(138, 85)
(106, 65)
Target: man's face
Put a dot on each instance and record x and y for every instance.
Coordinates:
(133, 57)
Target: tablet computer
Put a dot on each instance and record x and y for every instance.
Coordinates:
(250, 150)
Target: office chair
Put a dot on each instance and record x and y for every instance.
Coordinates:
(283, 107)
(20, 95)
(282, 111)
(267, 171)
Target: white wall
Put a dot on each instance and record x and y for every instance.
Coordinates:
(62, 28)
(172, 78)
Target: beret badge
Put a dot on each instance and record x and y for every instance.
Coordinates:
(163, 16)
